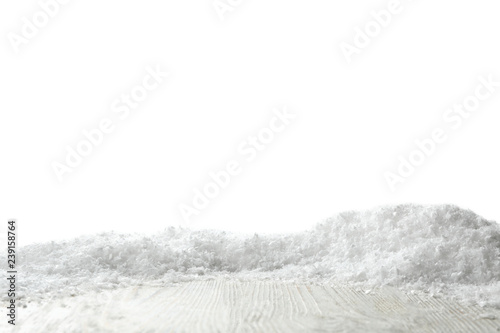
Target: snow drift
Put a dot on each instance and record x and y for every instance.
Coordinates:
(438, 249)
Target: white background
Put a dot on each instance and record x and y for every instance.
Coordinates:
(226, 76)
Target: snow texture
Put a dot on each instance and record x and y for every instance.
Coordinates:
(443, 250)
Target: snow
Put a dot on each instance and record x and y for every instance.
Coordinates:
(439, 249)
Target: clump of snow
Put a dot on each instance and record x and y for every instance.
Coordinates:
(439, 249)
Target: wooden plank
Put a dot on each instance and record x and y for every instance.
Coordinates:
(227, 305)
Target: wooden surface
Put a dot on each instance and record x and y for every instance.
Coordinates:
(253, 306)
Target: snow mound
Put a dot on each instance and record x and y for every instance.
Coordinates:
(441, 249)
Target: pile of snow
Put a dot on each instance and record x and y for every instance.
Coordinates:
(429, 248)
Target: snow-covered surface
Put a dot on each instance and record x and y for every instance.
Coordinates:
(435, 249)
